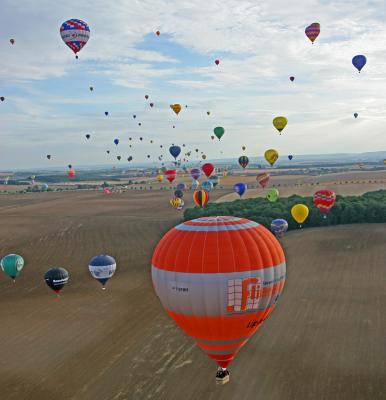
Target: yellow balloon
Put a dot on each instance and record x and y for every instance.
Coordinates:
(175, 202)
(300, 213)
(176, 108)
(280, 123)
(160, 178)
(271, 156)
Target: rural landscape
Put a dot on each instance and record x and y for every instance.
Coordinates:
(193, 205)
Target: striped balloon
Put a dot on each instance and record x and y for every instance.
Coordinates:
(243, 161)
(263, 179)
(221, 282)
(312, 31)
(324, 200)
(75, 33)
(201, 197)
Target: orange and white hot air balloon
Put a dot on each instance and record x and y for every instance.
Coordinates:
(221, 283)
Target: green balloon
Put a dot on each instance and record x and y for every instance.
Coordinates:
(12, 264)
(219, 132)
(272, 195)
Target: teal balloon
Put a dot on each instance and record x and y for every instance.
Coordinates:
(12, 265)
(219, 132)
(207, 185)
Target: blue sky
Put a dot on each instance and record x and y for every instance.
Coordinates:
(49, 108)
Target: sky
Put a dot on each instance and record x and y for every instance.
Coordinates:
(48, 107)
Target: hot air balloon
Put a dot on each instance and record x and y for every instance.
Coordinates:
(243, 148)
(271, 156)
(181, 186)
(243, 161)
(208, 112)
(195, 184)
(160, 178)
(175, 151)
(279, 227)
(263, 179)
(102, 268)
(280, 123)
(158, 33)
(49, 156)
(323, 200)
(151, 105)
(91, 88)
(215, 180)
(290, 157)
(203, 156)
(208, 168)
(139, 123)
(359, 62)
(207, 185)
(119, 158)
(240, 188)
(2, 98)
(107, 191)
(108, 151)
(12, 41)
(88, 136)
(356, 115)
(56, 278)
(141, 139)
(201, 197)
(176, 108)
(44, 187)
(219, 132)
(312, 31)
(292, 78)
(116, 142)
(12, 265)
(69, 166)
(75, 33)
(299, 213)
(171, 175)
(146, 96)
(176, 202)
(217, 62)
(71, 173)
(130, 158)
(221, 295)
(178, 193)
(106, 113)
(195, 173)
(272, 195)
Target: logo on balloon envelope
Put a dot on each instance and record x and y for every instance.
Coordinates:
(244, 294)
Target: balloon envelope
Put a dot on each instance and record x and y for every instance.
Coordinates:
(272, 195)
(102, 268)
(240, 188)
(263, 179)
(175, 151)
(176, 108)
(195, 173)
(359, 62)
(324, 199)
(279, 226)
(221, 290)
(208, 168)
(207, 185)
(170, 175)
(243, 161)
(271, 156)
(299, 213)
(12, 265)
(219, 132)
(201, 197)
(75, 34)
(280, 123)
(312, 31)
(56, 278)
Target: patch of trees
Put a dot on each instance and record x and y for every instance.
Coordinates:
(368, 208)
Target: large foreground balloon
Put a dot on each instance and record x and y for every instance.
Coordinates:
(222, 283)
(263, 179)
(359, 62)
(171, 175)
(271, 156)
(312, 31)
(208, 168)
(279, 226)
(102, 268)
(56, 279)
(175, 151)
(201, 197)
(300, 213)
(219, 132)
(12, 265)
(240, 188)
(75, 33)
(324, 199)
(280, 123)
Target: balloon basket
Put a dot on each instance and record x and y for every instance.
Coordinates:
(103, 287)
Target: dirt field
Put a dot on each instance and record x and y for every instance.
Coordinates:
(325, 340)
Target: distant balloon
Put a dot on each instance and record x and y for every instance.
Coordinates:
(119, 158)
(359, 62)
(280, 123)
(75, 34)
(141, 138)
(139, 123)
(195, 173)
(91, 88)
(279, 227)
(243, 161)
(312, 31)
(243, 148)
(208, 168)
(146, 96)
(240, 188)
(181, 186)
(290, 157)
(178, 193)
(271, 156)
(176, 202)
(102, 268)
(356, 115)
(134, 116)
(219, 132)
(292, 78)
(299, 213)
(217, 62)
(12, 265)
(106, 113)
(56, 279)
(108, 151)
(170, 175)
(12, 41)
(175, 151)
(158, 33)
(88, 136)
(272, 195)
(195, 184)
(203, 156)
(2, 98)
(160, 178)
(71, 173)
(107, 191)
(116, 142)
(176, 108)
(69, 166)
(214, 179)
(324, 200)
(208, 112)
(201, 197)
(263, 179)
(207, 185)
(49, 156)
(151, 104)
